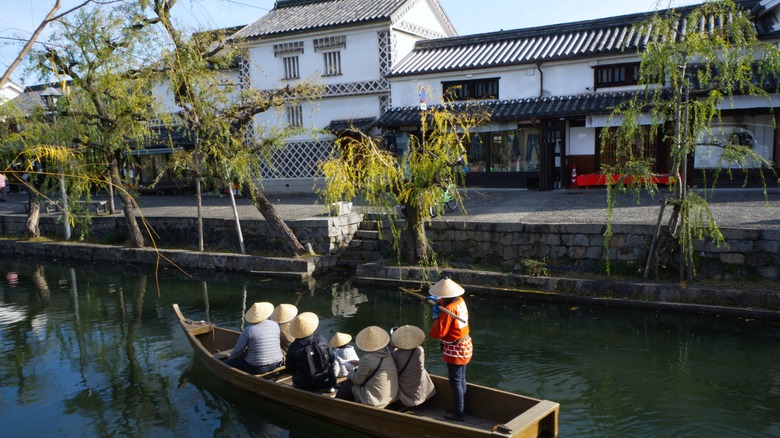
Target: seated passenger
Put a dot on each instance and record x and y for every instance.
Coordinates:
(344, 356)
(414, 384)
(309, 358)
(257, 350)
(283, 315)
(375, 380)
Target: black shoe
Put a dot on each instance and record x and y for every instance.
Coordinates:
(455, 416)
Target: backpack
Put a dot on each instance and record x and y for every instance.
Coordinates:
(318, 360)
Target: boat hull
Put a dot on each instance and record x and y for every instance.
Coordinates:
(490, 412)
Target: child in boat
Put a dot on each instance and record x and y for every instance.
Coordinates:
(457, 347)
(375, 380)
(345, 359)
(414, 383)
(257, 350)
(309, 358)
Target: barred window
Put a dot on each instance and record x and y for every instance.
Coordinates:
(617, 75)
(471, 89)
(332, 63)
(291, 67)
(295, 116)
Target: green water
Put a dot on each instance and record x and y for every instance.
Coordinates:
(90, 350)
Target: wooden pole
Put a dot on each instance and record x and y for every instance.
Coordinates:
(415, 294)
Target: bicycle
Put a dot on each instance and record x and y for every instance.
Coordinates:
(448, 199)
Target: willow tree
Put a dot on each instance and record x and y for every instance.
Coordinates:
(219, 115)
(97, 54)
(690, 68)
(361, 167)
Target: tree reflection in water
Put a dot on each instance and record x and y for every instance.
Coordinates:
(96, 351)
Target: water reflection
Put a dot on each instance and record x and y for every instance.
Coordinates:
(96, 350)
(346, 299)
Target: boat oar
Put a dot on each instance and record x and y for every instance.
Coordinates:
(424, 298)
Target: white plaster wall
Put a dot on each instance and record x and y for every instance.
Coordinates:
(359, 60)
(404, 44)
(582, 141)
(317, 115)
(423, 15)
(563, 79)
(164, 97)
(515, 83)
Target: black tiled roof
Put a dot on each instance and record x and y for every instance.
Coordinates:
(306, 15)
(545, 43)
(521, 109)
(341, 126)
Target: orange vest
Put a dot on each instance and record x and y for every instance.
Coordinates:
(450, 330)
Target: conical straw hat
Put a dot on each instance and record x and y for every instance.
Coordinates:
(446, 288)
(340, 340)
(259, 312)
(372, 338)
(304, 325)
(407, 337)
(284, 313)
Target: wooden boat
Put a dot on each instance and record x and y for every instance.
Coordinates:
(489, 412)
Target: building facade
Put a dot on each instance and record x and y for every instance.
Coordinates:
(348, 46)
(550, 91)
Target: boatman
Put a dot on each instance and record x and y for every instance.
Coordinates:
(456, 343)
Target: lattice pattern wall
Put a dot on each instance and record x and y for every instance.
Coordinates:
(298, 160)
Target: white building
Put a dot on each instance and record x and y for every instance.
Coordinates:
(550, 91)
(349, 46)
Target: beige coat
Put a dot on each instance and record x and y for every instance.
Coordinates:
(382, 389)
(285, 338)
(414, 384)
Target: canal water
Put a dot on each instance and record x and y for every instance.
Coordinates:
(91, 350)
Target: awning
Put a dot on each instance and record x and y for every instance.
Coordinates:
(339, 127)
(519, 109)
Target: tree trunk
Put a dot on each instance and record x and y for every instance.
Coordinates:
(290, 243)
(135, 237)
(415, 247)
(33, 231)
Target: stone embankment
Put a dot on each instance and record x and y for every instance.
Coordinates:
(501, 230)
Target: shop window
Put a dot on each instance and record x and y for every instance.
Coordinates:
(477, 153)
(515, 150)
(756, 133)
(641, 149)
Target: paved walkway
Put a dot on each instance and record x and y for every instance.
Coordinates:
(739, 208)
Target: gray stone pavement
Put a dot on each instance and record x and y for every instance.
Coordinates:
(732, 208)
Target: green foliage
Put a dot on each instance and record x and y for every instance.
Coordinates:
(704, 59)
(534, 268)
(361, 167)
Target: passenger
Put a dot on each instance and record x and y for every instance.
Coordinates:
(257, 350)
(309, 358)
(283, 314)
(375, 380)
(457, 347)
(344, 356)
(414, 384)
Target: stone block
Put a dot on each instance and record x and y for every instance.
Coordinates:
(578, 252)
(732, 258)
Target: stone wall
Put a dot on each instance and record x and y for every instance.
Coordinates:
(747, 254)
(327, 235)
